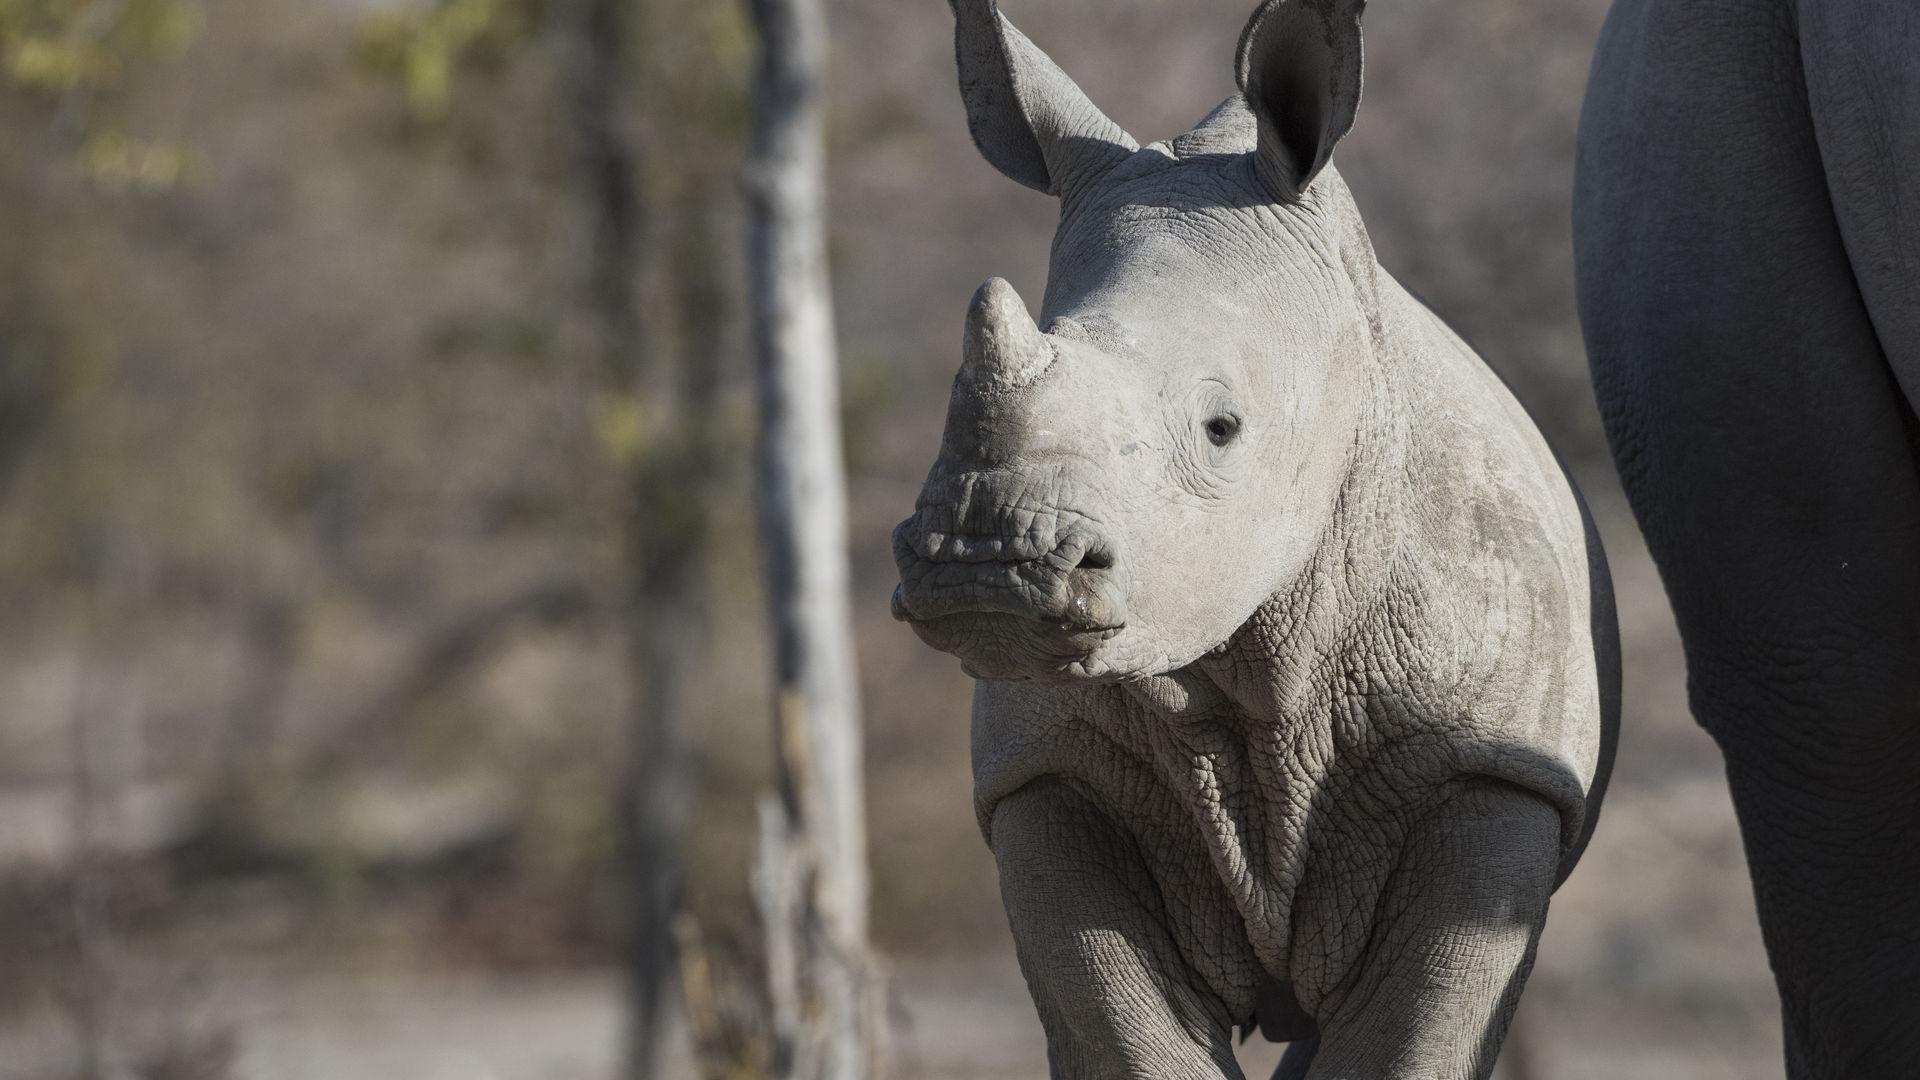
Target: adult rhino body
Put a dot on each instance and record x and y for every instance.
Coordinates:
(1747, 233)
(1297, 660)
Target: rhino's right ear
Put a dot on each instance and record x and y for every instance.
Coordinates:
(1027, 117)
(1299, 66)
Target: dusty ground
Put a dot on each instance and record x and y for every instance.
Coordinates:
(961, 1019)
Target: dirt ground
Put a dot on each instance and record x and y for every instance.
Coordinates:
(958, 1019)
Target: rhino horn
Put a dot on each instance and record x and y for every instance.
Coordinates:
(1004, 349)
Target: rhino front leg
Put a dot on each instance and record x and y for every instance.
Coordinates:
(1114, 994)
(1451, 947)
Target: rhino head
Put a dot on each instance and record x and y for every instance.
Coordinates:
(1124, 482)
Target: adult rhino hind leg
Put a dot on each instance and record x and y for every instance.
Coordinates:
(1760, 431)
(1862, 65)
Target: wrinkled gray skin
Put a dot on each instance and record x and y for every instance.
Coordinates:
(1747, 227)
(1296, 652)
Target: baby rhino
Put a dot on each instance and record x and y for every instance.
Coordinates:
(1296, 653)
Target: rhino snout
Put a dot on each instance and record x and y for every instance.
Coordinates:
(1073, 587)
(1058, 571)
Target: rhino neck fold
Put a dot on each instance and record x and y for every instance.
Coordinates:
(1186, 695)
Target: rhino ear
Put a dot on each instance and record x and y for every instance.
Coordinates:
(1028, 119)
(1299, 67)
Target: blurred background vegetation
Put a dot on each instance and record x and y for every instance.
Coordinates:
(349, 538)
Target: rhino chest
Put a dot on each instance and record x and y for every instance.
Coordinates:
(1300, 831)
(1269, 843)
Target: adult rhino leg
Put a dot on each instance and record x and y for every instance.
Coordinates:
(1862, 63)
(1453, 941)
(1768, 452)
(1114, 994)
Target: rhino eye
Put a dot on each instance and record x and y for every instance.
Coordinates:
(1222, 430)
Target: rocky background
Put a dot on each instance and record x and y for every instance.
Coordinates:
(315, 521)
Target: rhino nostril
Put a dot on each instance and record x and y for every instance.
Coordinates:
(1095, 559)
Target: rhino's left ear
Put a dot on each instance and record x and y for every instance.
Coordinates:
(1027, 117)
(1299, 66)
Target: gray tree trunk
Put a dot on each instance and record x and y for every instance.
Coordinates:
(804, 533)
(662, 617)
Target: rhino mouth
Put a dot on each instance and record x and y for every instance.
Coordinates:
(996, 639)
(1034, 588)
(1071, 588)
